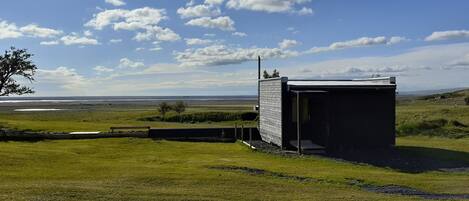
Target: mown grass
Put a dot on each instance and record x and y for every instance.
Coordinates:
(143, 169)
(102, 117)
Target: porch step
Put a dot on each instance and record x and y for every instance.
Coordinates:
(307, 145)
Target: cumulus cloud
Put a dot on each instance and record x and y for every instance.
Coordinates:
(360, 42)
(216, 55)
(54, 42)
(202, 10)
(447, 35)
(75, 39)
(197, 41)
(115, 2)
(127, 63)
(271, 6)
(103, 69)
(34, 30)
(214, 2)
(287, 43)
(224, 23)
(10, 30)
(140, 18)
(146, 19)
(239, 34)
(157, 33)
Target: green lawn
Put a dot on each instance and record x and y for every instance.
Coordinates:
(102, 117)
(144, 169)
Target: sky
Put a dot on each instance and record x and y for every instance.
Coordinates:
(210, 47)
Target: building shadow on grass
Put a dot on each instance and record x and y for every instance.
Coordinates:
(410, 159)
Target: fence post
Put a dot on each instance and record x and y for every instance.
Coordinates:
(242, 132)
(250, 137)
(236, 131)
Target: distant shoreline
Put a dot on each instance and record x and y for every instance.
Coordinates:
(120, 98)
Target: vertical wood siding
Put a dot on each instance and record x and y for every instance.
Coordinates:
(271, 111)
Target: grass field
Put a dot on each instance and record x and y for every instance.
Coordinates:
(144, 169)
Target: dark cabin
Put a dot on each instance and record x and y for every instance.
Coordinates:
(327, 115)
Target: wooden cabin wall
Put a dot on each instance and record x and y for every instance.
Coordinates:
(270, 110)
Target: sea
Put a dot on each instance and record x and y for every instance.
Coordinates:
(121, 99)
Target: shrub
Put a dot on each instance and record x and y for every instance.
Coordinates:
(179, 107)
(421, 127)
(466, 100)
(457, 123)
(163, 108)
(432, 124)
(206, 117)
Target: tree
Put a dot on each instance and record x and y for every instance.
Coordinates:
(179, 108)
(16, 63)
(163, 108)
(274, 74)
(466, 100)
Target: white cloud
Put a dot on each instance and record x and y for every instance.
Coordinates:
(139, 49)
(210, 35)
(270, 6)
(34, 30)
(305, 11)
(429, 67)
(157, 33)
(144, 19)
(115, 40)
(88, 33)
(287, 43)
(54, 42)
(224, 23)
(115, 2)
(214, 2)
(10, 30)
(360, 42)
(155, 49)
(103, 69)
(201, 10)
(447, 35)
(217, 55)
(197, 41)
(64, 77)
(127, 63)
(120, 19)
(239, 34)
(74, 39)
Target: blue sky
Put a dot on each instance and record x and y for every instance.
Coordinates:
(209, 47)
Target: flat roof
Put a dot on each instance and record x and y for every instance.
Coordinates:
(337, 83)
(386, 81)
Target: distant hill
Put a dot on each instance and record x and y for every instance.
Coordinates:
(428, 92)
(450, 97)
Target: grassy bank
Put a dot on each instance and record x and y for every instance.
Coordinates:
(143, 169)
